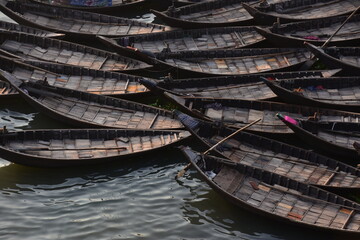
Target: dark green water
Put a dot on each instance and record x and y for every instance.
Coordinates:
(136, 199)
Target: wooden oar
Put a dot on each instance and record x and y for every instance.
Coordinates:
(182, 172)
(310, 62)
(329, 39)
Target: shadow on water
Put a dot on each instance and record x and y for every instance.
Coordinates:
(18, 175)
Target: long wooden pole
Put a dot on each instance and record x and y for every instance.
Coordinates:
(182, 172)
(311, 61)
(231, 135)
(347, 19)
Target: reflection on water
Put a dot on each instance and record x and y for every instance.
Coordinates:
(12, 120)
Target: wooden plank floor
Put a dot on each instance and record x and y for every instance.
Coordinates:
(237, 116)
(283, 164)
(240, 65)
(92, 148)
(321, 10)
(86, 83)
(95, 113)
(286, 202)
(349, 95)
(235, 39)
(348, 31)
(228, 13)
(89, 27)
(64, 56)
(254, 91)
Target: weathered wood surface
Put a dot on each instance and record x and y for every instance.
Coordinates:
(315, 32)
(20, 28)
(53, 148)
(96, 81)
(249, 87)
(116, 6)
(76, 23)
(235, 62)
(57, 51)
(207, 14)
(334, 138)
(284, 164)
(238, 113)
(299, 10)
(274, 156)
(228, 12)
(347, 58)
(92, 110)
(341, 93)
(277, 196)
(188, 40)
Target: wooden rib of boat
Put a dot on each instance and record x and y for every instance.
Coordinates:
(299, 10)
(186, 40)
(75, 24)
(274, 156)
(333, 138)
(116, 7)
(238, 113)
(74, 147)
(33, 47)
(347, 58)
(342, 93)
(316, 32)
(76, 78)
(249, 87)
(20, 28)
(232, 62)
(278, 197)
(91, 110)
(6, 90)
(217, 13)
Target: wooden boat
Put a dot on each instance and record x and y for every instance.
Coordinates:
(20, 28)
(231, 62)
(249, 87)
(217, 13)
(238, 113)
(116, 7)
(6, 90)
(31, 47)
(299, 10)
(347, 58)
(76, 78)
(75, 24)
(342, 93)
(316, 32)
(186, 40)
(277, 197)
(280, 158)
(91, 110)
(333, 138)
(73, 147)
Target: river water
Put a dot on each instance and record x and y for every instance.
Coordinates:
(136, 199)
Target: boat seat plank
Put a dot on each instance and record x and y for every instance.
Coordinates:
(228, 179)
